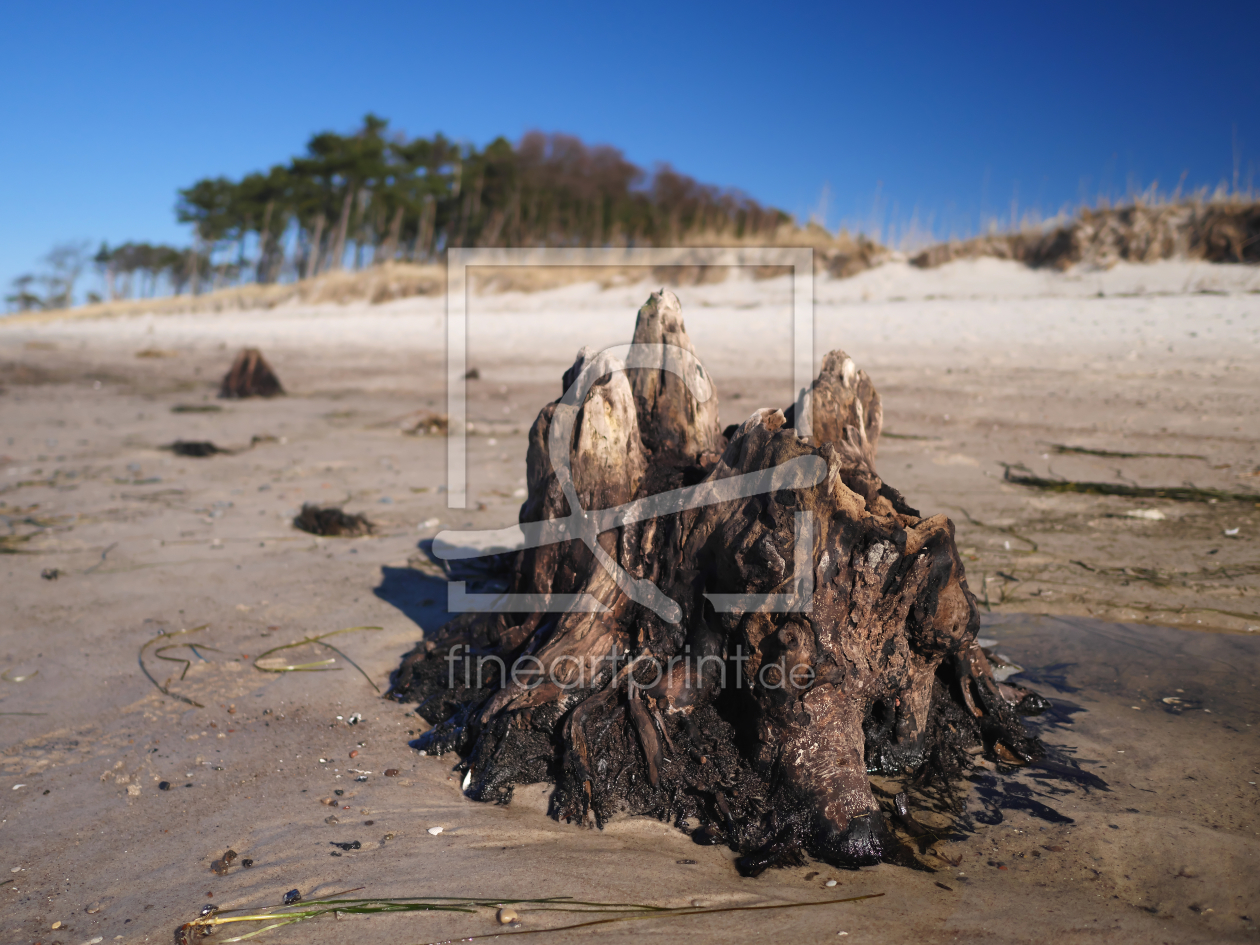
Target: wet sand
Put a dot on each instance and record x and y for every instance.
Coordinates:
(147, 542)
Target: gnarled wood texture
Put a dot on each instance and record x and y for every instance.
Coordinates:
(753, 725)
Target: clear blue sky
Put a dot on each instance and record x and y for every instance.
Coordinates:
(945, 109)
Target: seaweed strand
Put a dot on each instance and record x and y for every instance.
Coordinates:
(162, 689)
(331, 905)
(1176, 493)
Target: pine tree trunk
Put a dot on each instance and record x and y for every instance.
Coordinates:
(317, 237)
(343, 225)
(390, 247)
(260, 265)
(424, 238)
(194, 264)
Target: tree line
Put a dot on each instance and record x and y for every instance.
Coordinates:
(132, 270)
(375, 195)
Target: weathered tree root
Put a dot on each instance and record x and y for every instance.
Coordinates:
(755, 725)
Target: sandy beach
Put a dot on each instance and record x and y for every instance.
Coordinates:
(1111, 605)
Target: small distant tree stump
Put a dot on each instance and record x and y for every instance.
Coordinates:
(250, 376)
(758, 727)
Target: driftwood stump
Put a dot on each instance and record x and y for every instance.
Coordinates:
(250, 376)
(751, 721)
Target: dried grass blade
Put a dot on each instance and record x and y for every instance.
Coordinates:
(352, 663)
(662, 914)
(319, 666)
(315, 667)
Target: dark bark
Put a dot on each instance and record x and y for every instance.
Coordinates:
(757, 728)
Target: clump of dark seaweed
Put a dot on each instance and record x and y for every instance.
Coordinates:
(195, 448)
(331, 521)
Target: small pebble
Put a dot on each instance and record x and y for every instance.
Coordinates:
(247, 862)
(388, 836)
(55, 926)
(229, 856)
(291, 897)
(327, 801)
(699, 904)
(331, 819)
(93, 908)
(830, 882)
(507, 915)
(391, 772)
(354, 754)
(339, 792)
(164, 785)
(368, 823)
(434, 831)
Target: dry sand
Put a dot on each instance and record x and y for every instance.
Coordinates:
(978, 363)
